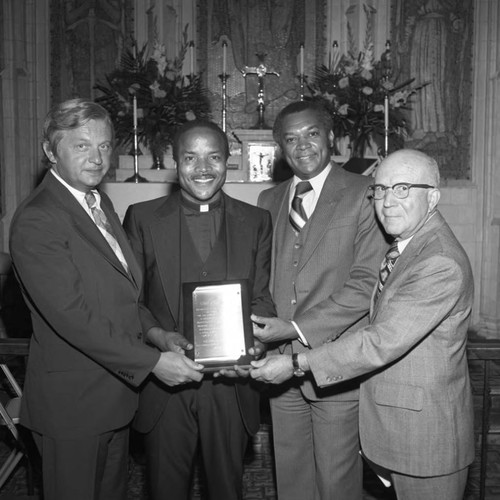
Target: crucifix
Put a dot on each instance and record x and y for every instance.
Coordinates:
(261, 71)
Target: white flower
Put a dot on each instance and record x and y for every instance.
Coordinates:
(157, 91)
(343, 109)
(344, 82)
(159, 55)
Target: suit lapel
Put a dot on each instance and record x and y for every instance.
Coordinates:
(331, 194)
(121, 237)
(408, 256)
(279, 214)
(236, 237)
(165, 236)
(83, 224)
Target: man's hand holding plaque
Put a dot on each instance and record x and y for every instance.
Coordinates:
(168, 341)
(174, 368)
(257, 351)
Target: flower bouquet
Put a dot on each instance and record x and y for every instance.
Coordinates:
(353, 88)
(165, 97)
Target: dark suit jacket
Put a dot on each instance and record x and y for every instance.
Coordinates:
(86, 353)
(153, 229)
(416, 412)
(338, 265)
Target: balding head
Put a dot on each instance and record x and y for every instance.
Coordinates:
(403, 217)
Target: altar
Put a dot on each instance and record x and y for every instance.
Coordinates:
(249, 171)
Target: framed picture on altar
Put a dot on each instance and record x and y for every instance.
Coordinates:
(260, 161)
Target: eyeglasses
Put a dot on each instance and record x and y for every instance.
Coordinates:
(400, 190)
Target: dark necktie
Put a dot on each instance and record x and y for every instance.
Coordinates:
(386, 268)
(298, 216)
(102, 222)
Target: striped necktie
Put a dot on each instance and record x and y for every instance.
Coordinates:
(103, 224)
(386, 268)
(298, 216)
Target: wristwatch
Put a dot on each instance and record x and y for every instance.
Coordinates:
(297, 370)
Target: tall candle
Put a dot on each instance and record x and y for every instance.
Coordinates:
(301, 58)
(135, 111)
(386, 112)
(224, 57)
(191, 54)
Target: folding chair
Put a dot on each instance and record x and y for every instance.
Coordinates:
(10, 404)
(10, 416)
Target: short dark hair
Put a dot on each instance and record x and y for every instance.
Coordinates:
(186, 127)
(324, 116)
(69, 115)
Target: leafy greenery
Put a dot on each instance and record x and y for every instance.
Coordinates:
(165, 97)
(353, 88)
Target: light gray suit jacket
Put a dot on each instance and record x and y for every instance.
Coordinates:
(338, 266)
(416, 413)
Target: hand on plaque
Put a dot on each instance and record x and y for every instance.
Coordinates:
(175, 369)
(272, 369)
(272, 329)
(168, 340)
(258, 350)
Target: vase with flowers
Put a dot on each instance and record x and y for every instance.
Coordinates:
(359, 92)
(166, 98)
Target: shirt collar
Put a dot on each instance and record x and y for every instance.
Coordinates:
(402, 244)
(200, 207)
(316, 182)
(79, 195)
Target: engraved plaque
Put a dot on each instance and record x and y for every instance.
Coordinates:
(217, 323)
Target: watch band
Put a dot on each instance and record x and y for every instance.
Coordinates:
(297, 371)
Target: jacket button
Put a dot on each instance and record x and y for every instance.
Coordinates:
(204, 273)
(293, 302)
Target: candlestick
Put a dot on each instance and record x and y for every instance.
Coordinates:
(301, 58)
(135, 111)
(386, 125)
(224, 57)
(135, 152)
(335, 57)
(386, 111)
(191, 54)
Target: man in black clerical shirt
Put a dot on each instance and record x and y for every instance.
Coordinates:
(197, 234)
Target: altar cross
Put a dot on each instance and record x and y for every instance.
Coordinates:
(261, 71)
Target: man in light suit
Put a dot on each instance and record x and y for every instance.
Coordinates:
(197, 234)
(416, 412)
(321, 281)
(82, 284)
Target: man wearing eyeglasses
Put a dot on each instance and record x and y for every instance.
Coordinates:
(416, 413)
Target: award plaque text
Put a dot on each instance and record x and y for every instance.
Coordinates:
(217, 323)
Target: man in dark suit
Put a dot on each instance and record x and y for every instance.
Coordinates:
(82, 284)
(326, 250)
(416, 411)
(197, 234)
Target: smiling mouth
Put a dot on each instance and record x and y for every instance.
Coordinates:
(204, 179)
(306, 157)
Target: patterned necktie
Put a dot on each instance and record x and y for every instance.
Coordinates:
(102, 223)
(298, 216)
(386, 268)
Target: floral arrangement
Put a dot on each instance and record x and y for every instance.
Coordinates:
(353, 88)
(165, 97)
